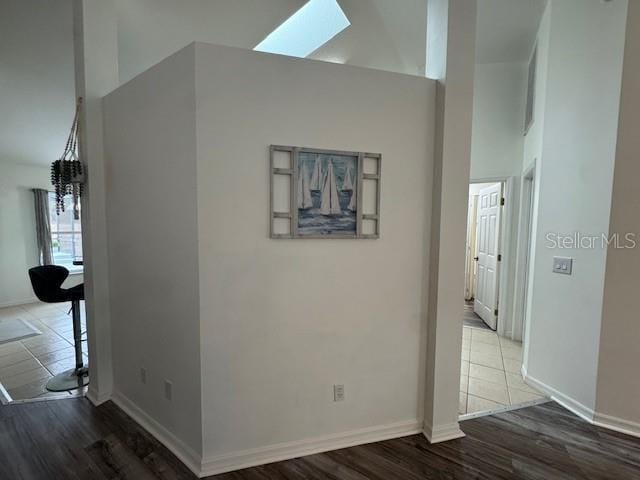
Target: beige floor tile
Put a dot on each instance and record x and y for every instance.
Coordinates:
(56, 356)
(13, 358)
(464, 383)
(512, 366)
(512, 353)
(462, 403)
(10, 348)
(486, 360)
(477, 404)
(464, 368)
(515, 381)
(40, 350)
(62, 365)
(488, 374)
(484, 337)
(507, 342)
(29, 390)
(489, 391)
(518, 396)
(25, 378)
(485, 348)
(48, 337)
(20, 367)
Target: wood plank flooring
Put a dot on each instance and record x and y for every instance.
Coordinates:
(72, 439)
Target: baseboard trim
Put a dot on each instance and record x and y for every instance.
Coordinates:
(617, 424)
(566, 401)
(442, 433)
(17, 303)
(284, 451)
(96, 397)
(185, 453)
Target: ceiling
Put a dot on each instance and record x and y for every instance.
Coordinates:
(36, 51)
(506, 29)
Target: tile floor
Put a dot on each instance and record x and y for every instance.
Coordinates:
(27, 365)
(490, 376)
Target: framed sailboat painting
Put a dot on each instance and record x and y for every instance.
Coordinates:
(325, 198)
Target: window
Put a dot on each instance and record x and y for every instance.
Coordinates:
(313, 25)
(66, 235)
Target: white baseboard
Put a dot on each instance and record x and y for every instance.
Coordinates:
(442, 433)
(566, 401)
(283, 451)
(97, 398)
(610, 422)
(17, 303)
(185, 453)
(618, 424)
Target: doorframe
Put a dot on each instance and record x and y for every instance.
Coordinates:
(506, 249)
(525, 253)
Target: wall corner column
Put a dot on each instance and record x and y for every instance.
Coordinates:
(450, 61)
(95, 36)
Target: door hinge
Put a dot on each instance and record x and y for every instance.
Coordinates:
(502, 201)
(499, 257)
(495, 312)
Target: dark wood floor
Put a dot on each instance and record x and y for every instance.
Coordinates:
(71, 439)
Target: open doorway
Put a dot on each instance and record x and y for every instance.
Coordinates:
(491, 377)
(38, 341)
(483, 255)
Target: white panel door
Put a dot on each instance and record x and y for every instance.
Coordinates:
(488, 243)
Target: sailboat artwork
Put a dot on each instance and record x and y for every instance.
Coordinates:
(304, 191)
(327, 201)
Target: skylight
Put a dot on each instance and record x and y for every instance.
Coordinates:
(313, 25)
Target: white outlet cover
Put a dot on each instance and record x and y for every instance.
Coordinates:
(338, 393)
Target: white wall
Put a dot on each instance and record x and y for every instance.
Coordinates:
(153, 244)
(574, 190)
(498, 117)
(284, 320)
(19, 250)
(385, 35)
(618, 379)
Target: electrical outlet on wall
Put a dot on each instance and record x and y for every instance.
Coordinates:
(143, 375)
(338, 393)
(168, 389)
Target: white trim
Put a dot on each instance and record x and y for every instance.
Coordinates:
(610, 422)
(185, 453)
(283, 451)
(566, 401)
(96, 397)
(505, 408)
(442, 433)
(18, 303)
(618, 424)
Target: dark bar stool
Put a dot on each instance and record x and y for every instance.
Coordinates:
(46, 281)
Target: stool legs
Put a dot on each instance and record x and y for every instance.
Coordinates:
(77, 333)
(77, 377)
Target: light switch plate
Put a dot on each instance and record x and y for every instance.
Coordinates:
(563, 265)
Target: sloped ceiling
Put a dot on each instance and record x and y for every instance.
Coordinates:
(36, 51)
(387, 35)
(151, 30)
(506, 29)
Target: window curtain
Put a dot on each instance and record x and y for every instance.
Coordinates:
(43, 226)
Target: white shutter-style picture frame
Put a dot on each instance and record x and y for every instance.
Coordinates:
(316, 193)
